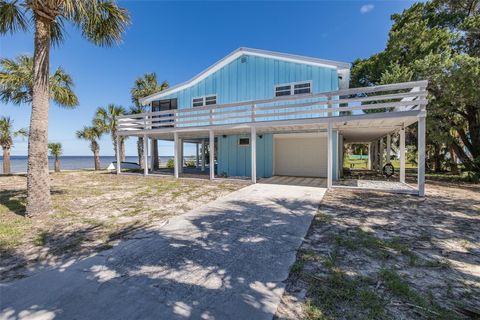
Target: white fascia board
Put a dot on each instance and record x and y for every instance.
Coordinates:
(342, 68)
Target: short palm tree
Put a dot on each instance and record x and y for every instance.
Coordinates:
(145, 86)
(56, 151)
(100, 21)
(6, 140)
(106, 120)
(92, 134)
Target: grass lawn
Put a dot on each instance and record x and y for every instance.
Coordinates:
(374, 255)
(363, 164)
(93, 210)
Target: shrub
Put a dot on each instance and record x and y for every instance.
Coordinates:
(170, 163)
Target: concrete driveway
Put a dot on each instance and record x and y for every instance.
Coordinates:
(225, 260)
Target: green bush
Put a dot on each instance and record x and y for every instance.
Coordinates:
(170, 163)
(190, 164)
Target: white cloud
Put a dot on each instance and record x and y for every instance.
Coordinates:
(366, 8)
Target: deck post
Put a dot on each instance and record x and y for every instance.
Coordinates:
(381, 154)
(374, 155)
(197, 155)
(253, 146)
(212, 154)
(369, 163)
(203, 154)
(175, 154)
(117, 147)
(421, 155)
(402, 155)
(145, 155)
(389, 148)
(330, 156)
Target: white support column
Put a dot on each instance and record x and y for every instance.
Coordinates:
(370, 152)
(212, 155)
(330, 156)
(197, 155)
(421, 155)
(389, 148)
(119, 162)
(175, 154)
(380, 155)
(402, 155)
(203, 154)
(253, 146)
(145, 154)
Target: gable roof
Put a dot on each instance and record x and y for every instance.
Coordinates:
(342, 67)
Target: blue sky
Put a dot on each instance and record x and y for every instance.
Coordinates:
(177, 40)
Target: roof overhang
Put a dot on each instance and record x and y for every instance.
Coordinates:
(343, 69)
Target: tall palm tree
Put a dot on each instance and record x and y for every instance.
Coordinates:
(6, 140)
(100, 21)
(56, 151)
(143, 87)
(92, 134)
(106, 120)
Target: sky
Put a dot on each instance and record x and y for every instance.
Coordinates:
(179, 39)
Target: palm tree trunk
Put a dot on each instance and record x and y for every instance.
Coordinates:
(140, 150)
(114, 141)
(57, 164)
(6, 160)
(38, 182)
(156, 164)
(122, 149)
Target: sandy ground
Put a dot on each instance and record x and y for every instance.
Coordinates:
(374, 255)
(93, 211)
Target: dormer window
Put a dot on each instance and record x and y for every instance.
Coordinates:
(204, 101)
(293, 88)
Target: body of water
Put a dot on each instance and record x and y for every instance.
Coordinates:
(19, 163)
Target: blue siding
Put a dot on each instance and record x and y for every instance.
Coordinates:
(255, 79)
(234, 160)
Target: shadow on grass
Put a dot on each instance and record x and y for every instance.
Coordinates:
(229, 263)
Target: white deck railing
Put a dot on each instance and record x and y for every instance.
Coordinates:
(399, 97)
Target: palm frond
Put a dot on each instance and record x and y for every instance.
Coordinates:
(57, 32)
(102, 22)
(12, 17)
(16, 78)
(55, 148)
(61, 91)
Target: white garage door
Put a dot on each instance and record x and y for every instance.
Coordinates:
(301, 155)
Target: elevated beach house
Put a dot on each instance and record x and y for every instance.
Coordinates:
(259, 113)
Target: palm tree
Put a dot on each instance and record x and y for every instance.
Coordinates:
(56, 151)
(106, 120)
(143, 87)
(100, 21)
(6, 140)
(92, 134)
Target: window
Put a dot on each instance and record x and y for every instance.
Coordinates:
(197, 102)
(244, 141)
(293, 88)
(204, 101)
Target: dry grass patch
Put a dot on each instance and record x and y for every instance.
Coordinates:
(374, 255)
(93, 210)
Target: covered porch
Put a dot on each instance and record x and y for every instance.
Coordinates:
(341, 116)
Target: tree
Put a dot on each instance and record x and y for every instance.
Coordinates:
(56, 151)
(6, 140)
(106, 120)
(437, 40)
(145, 86)
(92, 134)
(100, 21)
